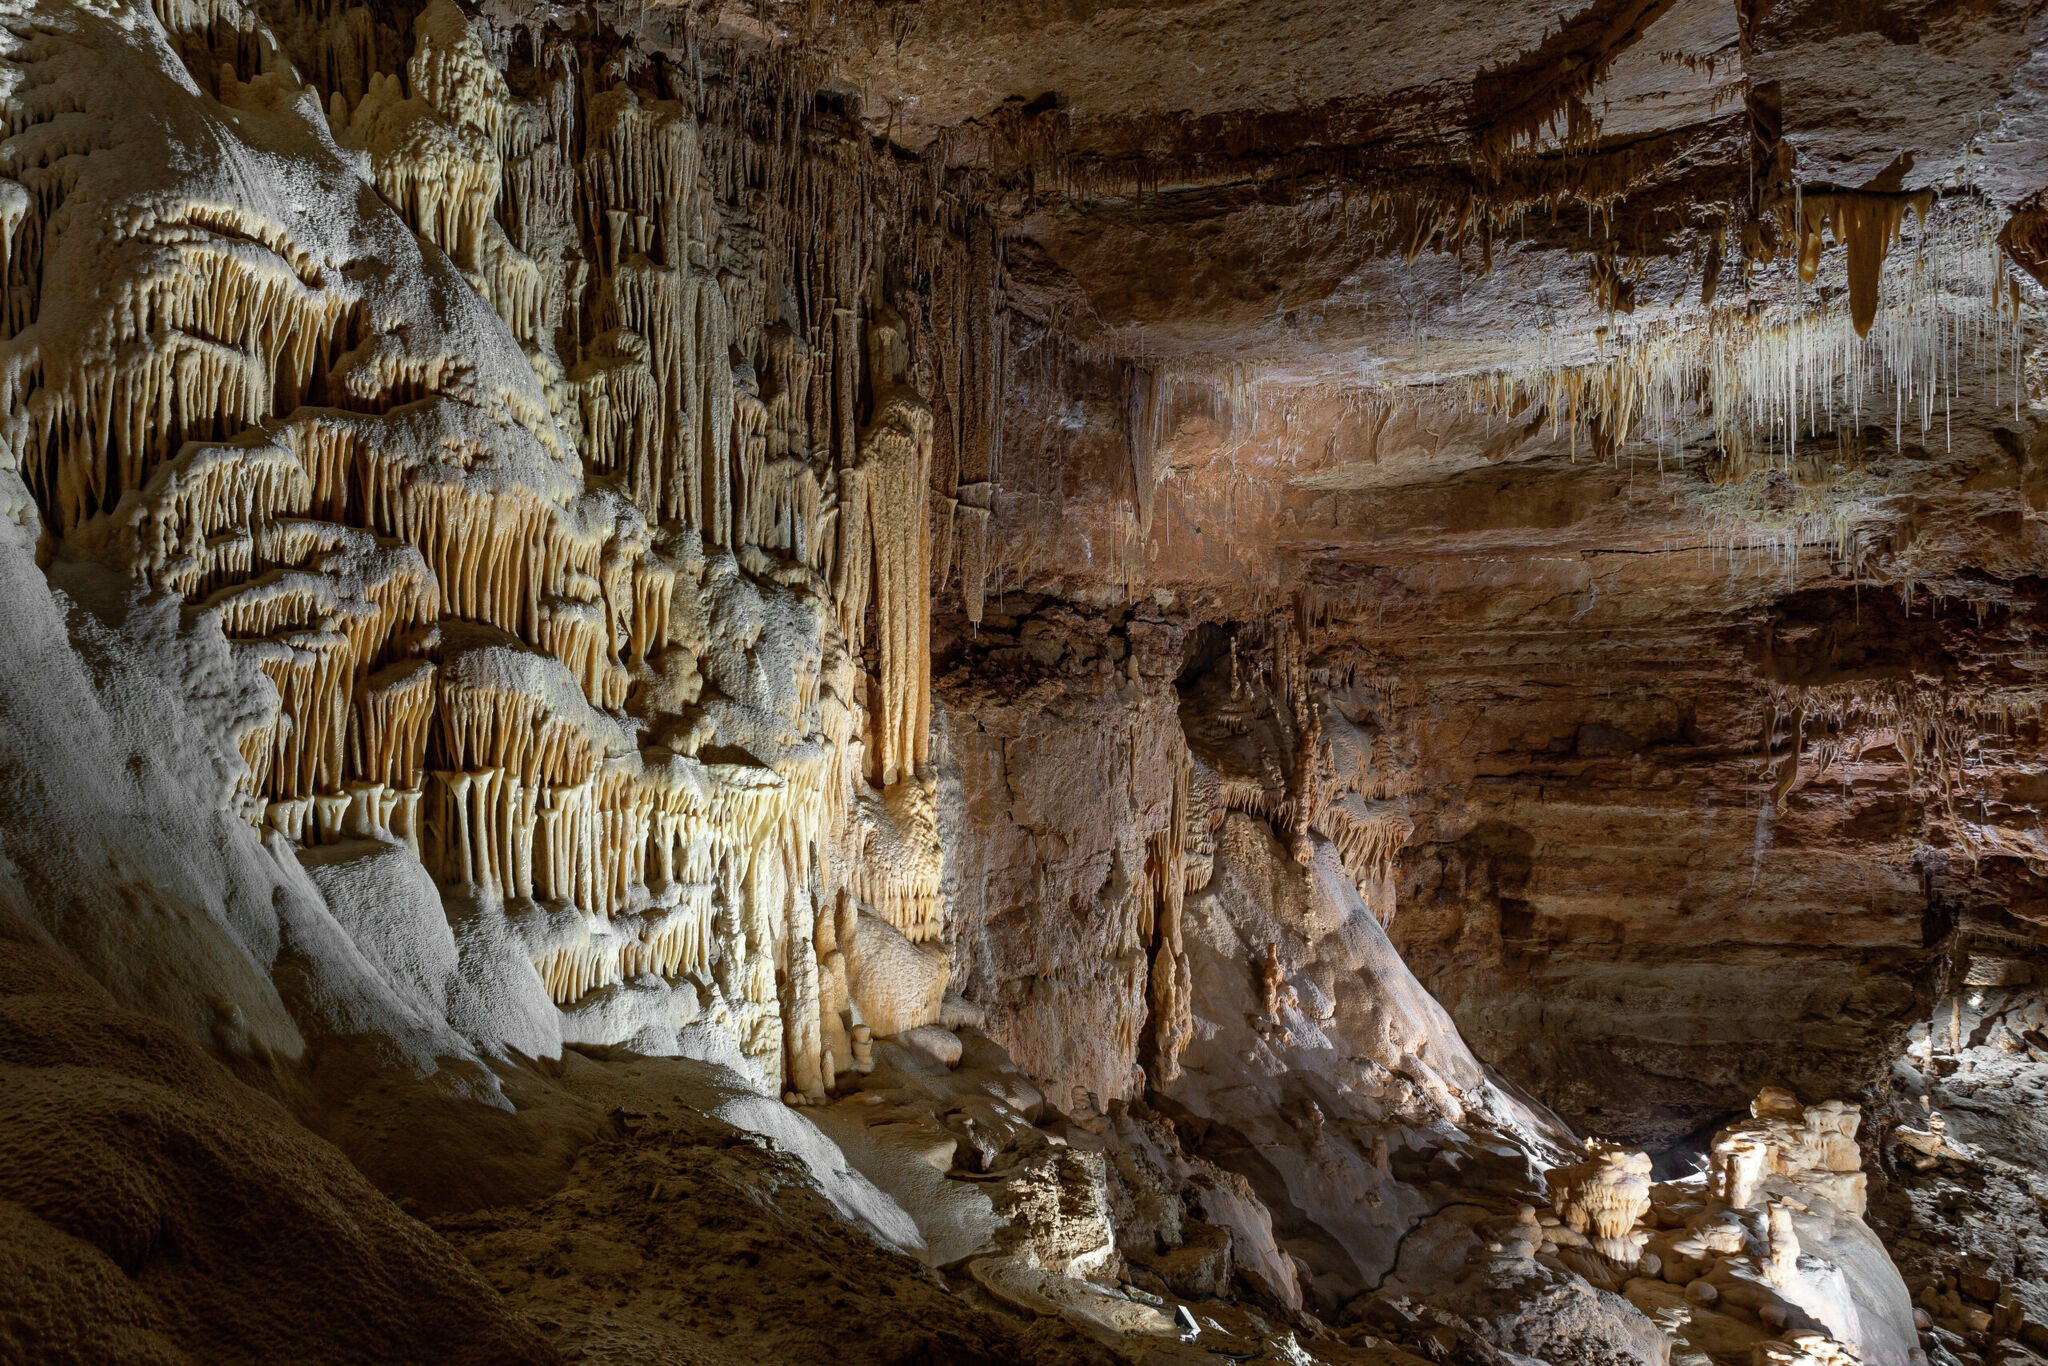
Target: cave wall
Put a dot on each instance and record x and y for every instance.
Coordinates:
(1618, 915)
(1061, 732)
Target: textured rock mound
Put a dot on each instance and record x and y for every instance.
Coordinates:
(157, 1210)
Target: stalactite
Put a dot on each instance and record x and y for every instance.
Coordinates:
(620, 408)
(577, 633)
(155, 376)
(258, 746)
(196, 524)
(450, 71)
(314, 632)
(852, 582)
(1867, 225)
(1933, 727)
(1253, 798)
(1307, 810)
(644, 161)
(20, 234)
(500, 706)
(653, 595)
(1147, 395)
(942, 520)
(312, 671)
(1369, 836)
(392, 712)
(898, 865)
(971, 520)
(1767, 376)
(1291, 679)
(749, 443)
(682, 315)
(516, 286)
(442, 177)
(455, 574)
(885, 551)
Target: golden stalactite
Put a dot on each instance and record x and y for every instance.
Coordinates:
(885, 557)
(1866, 224)
(455, 577)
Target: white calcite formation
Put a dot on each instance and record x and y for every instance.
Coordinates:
(1603, 1198)
(548, 474)
(1811, 1145)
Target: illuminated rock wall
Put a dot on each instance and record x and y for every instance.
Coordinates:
(554, 454)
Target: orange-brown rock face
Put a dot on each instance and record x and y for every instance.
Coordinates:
(1700, 780)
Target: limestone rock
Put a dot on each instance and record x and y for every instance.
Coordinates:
(896, 984)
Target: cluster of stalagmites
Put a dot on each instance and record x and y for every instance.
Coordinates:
(1813, 1145)
(1722, 1243)
(489, 595)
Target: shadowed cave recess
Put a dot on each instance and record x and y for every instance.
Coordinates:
(1116, 681)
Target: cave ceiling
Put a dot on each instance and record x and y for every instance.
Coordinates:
(1337, 248)
(1528, 333)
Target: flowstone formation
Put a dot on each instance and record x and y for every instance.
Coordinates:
(1002, 683)
(550, 497)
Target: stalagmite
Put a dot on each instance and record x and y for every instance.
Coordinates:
(1782, 1266)
(833, 930)
(1272, 977)
(1811, 1145)
(1739, 1162)
(809, 1062)
(1308, 783)
(1604, 1198)
(1170, 986)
